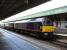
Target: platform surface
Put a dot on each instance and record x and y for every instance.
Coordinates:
(11, 42)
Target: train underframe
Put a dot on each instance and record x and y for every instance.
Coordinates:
(42, 35)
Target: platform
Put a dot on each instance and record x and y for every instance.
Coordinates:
(12, 42)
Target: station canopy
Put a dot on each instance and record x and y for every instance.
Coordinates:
(48, 8)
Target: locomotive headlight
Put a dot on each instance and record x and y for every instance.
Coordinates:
(46, 34)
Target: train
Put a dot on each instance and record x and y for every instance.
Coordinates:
(39, 27)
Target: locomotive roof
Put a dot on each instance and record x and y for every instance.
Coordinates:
(30, 20)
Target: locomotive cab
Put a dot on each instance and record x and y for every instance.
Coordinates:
(48, 29)
(48, 26)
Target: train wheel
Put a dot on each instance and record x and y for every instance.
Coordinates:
(50, 36)
(39, 35)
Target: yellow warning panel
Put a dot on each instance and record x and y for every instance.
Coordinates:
(48, 28)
